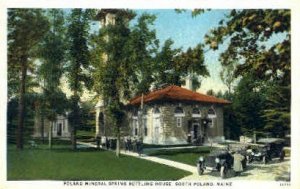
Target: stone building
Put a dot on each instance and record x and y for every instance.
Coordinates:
(172, 115)
(60, 127)
(175, 115)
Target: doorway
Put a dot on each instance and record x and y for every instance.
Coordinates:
(59, 128)
(195, 129)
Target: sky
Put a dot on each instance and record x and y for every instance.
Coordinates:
(187, 31)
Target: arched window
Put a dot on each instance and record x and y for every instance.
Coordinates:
(156, 111)
(179, 110)
(196, 112)
(135, 113)
(211, 113)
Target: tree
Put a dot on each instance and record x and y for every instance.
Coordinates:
(227, 75)
(277, 109)
(142, 49)
(25, 29)
(248, 104)
(165, 70)
(78, 64)
(173, 65)
(211, 92)
(52, 56)
(115, 69)
(249, 35)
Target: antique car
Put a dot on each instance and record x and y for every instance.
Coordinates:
(266, 149)
(220, 161)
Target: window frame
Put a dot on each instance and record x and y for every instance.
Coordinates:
(179, 121)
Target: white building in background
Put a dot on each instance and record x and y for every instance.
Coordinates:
(60, 127)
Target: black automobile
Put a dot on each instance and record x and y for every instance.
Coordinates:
(220, 161)
(266, 149)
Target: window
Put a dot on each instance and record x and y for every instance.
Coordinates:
(196, 112)
(179, 121)
(179, 114)
(156, 111)
(135, 113)
(211, 113)
(178, 110)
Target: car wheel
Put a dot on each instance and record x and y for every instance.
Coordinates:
(223, 171)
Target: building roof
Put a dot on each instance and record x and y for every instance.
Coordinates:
(173, 92)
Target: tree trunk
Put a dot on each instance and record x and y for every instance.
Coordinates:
(50, 135)
(118, 142)
(21, 108)
(75, 121)
(42, 127)
(73, 137)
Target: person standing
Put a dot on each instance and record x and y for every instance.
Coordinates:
(237, 163)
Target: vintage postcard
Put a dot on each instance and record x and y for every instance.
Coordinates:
(130, 94)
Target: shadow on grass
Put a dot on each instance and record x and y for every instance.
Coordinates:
(170, 152)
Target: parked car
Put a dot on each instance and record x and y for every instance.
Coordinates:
(266, 149)
(220, 160)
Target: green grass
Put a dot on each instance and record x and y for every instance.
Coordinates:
(86, 164)
(187, 155)
(85, 135)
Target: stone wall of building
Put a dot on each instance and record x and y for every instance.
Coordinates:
(170, 133)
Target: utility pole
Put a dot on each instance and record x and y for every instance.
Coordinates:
(142, 118)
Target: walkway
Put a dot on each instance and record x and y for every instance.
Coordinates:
(257, 171)
(170, 163)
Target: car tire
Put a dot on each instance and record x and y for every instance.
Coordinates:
(223, 171)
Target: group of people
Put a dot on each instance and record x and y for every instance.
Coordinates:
(134, 144)
(105, 142)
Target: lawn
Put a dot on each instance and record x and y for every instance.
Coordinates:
(87, 164)
(186, 155)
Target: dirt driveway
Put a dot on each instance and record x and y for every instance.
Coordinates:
(274, 171)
